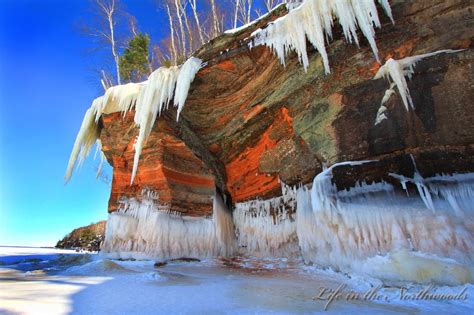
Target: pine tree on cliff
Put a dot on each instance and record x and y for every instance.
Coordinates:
(134, 62)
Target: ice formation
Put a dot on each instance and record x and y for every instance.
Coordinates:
(267, 227)
(371, 229)
(147, 230)
(119, 98)
(149, 98)
(314, 20)
(186, 76)
(397, 70)
(85, 139)
(382, 112)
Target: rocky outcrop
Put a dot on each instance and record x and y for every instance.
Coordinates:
(87, 237)
(249, 122)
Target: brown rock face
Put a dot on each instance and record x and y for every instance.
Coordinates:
(167, 166)
(249, 122)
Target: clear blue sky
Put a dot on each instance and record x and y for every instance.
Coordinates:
(45, 87)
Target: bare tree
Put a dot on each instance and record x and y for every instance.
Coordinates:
(174, 53)
(270, 4)
(215, 18)
(179, 15)
(105, 80)
(236, 12)
(196, 19)
(249, 10)
(242, 11)
(132, 21)
(108, 10)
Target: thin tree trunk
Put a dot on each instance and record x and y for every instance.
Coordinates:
(249, 11)
(173, 46)
(110, 17)
(181, 28)
(215, 19)
(188, 28)
(196, 18)
(236, 12)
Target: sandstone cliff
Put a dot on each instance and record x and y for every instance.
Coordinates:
(250, 123)
(299, 159)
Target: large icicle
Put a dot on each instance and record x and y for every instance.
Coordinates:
(149, 98)
(145, 230)
(186, 76)
(375, 230)
(156, 96)
(85, 139)
(119, 98)
(153, 99)
(314, 20)
(397, 70)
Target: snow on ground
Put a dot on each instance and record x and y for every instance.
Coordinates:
(90, 284)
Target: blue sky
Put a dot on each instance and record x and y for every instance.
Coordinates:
(46, 86)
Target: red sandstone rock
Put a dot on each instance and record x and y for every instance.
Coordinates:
(248, 121)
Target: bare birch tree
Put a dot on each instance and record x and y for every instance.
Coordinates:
(215, 19)
(174, 53)
(242, 11)
(270, 4)
(179, 15)
(196, 19)
(236, 12)
(108, 10)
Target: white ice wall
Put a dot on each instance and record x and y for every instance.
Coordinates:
(144, 229)
(426, 236)
(267, 227)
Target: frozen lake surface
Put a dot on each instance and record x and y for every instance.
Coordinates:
(52, 281)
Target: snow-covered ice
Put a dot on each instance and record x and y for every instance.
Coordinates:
(97, 285)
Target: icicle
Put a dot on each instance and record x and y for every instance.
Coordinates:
(397, 70)
(323, 192)
(119, 98)
(150, 98)
(388, 10)
(374, 230)
(186, 76)
(156, 96)
(85, 139)
(102, 157)
(381, 113)
(313, 19)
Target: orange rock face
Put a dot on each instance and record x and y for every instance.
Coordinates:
(249, 122)
(167, 166)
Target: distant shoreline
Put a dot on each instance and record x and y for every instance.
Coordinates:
(13, 246)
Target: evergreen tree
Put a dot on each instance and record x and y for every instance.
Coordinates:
(134, 64)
